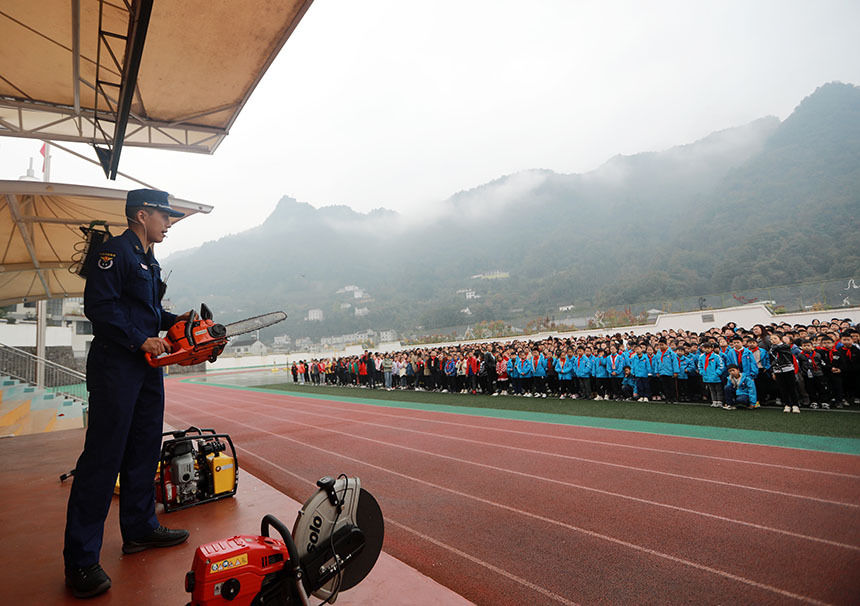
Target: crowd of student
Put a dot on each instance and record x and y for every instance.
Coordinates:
(816, 365)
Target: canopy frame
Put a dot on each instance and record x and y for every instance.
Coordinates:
(92, 74)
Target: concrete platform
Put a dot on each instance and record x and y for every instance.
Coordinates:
(32, 518)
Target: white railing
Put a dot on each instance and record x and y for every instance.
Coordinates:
(43, 373)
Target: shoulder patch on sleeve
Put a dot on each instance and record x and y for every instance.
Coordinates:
(106, 260)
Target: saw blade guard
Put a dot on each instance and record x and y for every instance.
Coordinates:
(339, 534)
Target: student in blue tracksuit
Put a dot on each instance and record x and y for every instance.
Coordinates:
(640, 368)
(122, 299)
(695, 387)
(763, 379)
(514, 375)
(683, 377)
(739, 389)
(723, 349)
(711, 368)
(667, 368)
(526, 370)
(628, 384)
(582, 371)
(741, 357)
(564, 369)
(601, 376)
(539, 364)
(615, 369)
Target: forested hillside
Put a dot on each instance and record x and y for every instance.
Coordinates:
(760, 204)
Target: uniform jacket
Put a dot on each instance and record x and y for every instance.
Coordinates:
(711, 367)
(582, 366)
(640, 366)
(747, 364)
(525, 367)
(666, 363)
(615, 364)
(564, 368)
(122, 293)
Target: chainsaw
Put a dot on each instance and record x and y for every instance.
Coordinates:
(335, 542)
(199, 338)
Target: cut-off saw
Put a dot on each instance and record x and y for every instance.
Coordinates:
(200, 339)
(336, 540)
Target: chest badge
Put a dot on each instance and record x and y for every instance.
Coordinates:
(106, 260)
(142, 266)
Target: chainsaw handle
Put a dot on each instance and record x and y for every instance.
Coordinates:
(172, 358)
(156, 361)
(189, 328)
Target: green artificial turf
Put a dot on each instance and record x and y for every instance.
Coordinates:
(834, 423)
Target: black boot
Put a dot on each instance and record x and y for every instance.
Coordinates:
(87, 582)
(160, 537)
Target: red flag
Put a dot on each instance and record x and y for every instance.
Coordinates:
(42, 151)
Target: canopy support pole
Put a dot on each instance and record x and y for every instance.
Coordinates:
(138, 24)
(15, 209)
(41, 334)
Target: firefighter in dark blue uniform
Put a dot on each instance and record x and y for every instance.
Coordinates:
(122, 299)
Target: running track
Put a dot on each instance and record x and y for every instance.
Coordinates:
(517, 512)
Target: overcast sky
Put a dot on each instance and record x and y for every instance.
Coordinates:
(399, 103)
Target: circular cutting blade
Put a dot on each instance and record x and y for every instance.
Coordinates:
(368, 517)
(369, 520)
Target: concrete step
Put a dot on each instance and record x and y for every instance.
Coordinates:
(37, 421)
(11, 412)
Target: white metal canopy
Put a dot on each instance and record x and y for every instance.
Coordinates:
(168, 73)
(40, 235)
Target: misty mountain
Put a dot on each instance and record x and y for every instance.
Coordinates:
(766, 203)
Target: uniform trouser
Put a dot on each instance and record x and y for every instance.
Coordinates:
(669, 388)
(815, 389)
(615, 387)
(786, 385)
(643, 387)
(834, 382)
(763, 385)
(539, 384)
(526, 384)
(564, 387)
(584, 387)
(387, 375)
(126, 417)
(715, 390)
(802, 396)
(683, 394)
(733, 399)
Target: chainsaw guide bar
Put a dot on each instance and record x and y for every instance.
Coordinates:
(255, 323)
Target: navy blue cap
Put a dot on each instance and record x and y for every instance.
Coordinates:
(150, 198)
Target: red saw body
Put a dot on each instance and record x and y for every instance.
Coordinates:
(201, 339)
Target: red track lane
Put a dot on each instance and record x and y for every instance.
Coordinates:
(611, 516)
(805, 484)
(741, 506)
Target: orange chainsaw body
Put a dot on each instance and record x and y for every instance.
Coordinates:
(193, 341)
